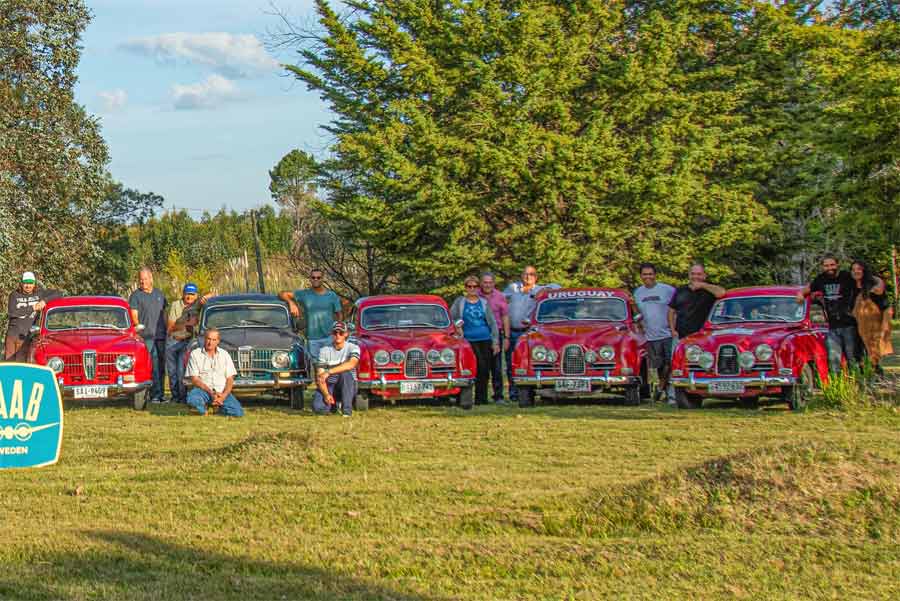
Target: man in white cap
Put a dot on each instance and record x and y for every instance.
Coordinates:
(24, 304)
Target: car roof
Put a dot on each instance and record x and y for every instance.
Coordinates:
(75, 301)
(400, 299)
(771, 290)
(583, 292)
(245, 298)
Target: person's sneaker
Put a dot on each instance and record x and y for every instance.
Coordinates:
(671, 403)
(345, 415)
(160, 401)
(500, 402)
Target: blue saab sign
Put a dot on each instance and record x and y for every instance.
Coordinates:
(31, 416)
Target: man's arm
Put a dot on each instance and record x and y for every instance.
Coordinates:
(134, 316)
(803, 293)
(716, 291)
(198, 383)
(672, 317)
(347, 365)
(220, 398)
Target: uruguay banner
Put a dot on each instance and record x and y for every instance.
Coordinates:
(31, 416)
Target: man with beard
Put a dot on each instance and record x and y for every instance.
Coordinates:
(24, 304)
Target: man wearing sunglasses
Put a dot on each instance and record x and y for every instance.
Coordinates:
(321, 307)
(335, 373)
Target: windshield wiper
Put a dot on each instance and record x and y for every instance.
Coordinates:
(549, 318)
(734, 317)
(103, 326)
(775, 317)
(247, 322)
(422, 325)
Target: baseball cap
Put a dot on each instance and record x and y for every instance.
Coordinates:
(28, 278)
(339, 326)
(190, 288)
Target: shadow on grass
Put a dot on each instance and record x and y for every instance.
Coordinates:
(139, 567)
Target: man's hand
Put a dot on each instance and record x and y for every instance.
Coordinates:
(39, 305)
(294, 309)
(329, 399)
(800, 298)
(218, 399)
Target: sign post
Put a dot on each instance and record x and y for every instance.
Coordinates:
(31, 416)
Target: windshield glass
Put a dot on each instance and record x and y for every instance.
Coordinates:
(69, 318)
(239, 316)
(579, 309)
(383, 317)
(757, 308)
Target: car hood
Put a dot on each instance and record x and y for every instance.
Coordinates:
(592, 335)
(742, 335)
(275, 338)
(402, 339)
(96, 340)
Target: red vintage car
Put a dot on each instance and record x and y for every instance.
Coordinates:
(756, 342)
(581, 341)
(409, 350)
(94, 348)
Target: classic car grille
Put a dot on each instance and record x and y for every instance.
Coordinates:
(416, 366)
(89, 366)
(727, 363)
(257, 359)
(573, 360)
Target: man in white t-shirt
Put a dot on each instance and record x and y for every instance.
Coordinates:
(335, 373)
(652, 300)
(212, 372)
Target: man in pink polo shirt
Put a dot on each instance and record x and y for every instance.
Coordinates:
(500, 308)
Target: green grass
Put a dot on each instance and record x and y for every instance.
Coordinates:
(416, 503)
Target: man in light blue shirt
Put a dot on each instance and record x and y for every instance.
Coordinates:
(652, 300)
(321, 308)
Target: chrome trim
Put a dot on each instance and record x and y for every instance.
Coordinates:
(762, 381)
(607, 380)
(424, 363)
(564, 360)
(89, 364)
(383, 384)
(113, 389)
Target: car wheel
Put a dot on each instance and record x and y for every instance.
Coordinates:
(295, 395)
(361, 402)
(686, 400)
(139, 400)
(526, 396)
(798, 395)
(467, 397)
(633, 394)
(751, 402)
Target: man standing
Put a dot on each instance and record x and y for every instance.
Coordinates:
(520, 297)
(838, 291)
(321, 307)
(335, 376)
(500, 309)
(24, 304)
(148, 306)
(184, 314)
(212, 372)
(691, 303)
(653, 300)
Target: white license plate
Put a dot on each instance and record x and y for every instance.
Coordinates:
(727, 387)
(581, 385)
(90, 392)
(416, 387)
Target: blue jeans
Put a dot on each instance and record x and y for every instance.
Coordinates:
(513, 339)
(841, 341)
(175, 368)
(342, 387)
(199, 400)
(157, 350)
(497, 372)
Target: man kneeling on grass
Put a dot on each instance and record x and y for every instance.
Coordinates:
(212, 372)
(335, 375)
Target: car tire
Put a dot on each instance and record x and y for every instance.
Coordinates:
(361, 402)
(748, 402)
(526, 396)
(467, 397)
(687, 400)
(139, 400)
(798, 395)
(295, 395)
(633, 395)
(646, 390)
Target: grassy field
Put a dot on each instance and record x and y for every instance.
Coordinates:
(432, 503)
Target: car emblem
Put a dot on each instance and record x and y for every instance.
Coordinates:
(89, 361)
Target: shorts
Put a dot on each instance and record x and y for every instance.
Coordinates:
(659, 353)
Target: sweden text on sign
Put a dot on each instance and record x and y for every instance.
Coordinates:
(31, 416)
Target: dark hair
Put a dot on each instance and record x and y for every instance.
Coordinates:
(868, 279)
(827, 256)
(697, 264)
(647, 266)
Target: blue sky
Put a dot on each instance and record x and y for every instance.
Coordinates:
(192, 104)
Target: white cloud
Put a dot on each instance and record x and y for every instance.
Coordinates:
(233, 55)
(113, 100)
(214, 91)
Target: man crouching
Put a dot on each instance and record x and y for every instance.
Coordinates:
(212, 372)
(335, 377)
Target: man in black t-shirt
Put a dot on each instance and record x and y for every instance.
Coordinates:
(691, 303)
(25, 302)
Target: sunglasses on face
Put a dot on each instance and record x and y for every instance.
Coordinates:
(471, 286)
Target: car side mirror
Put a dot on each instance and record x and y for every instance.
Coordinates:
(35, 329)
(139, 327)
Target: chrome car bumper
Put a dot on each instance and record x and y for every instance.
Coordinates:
(761, 382)
(111, 389)
(262, 383)
(602, 381)
(383, 384)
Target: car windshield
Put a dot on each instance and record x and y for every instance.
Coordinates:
(72, 318)
(240, 316)
(757, 308)
(578, 309)
(386, 317)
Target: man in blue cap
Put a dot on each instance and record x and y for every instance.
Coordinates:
(183, 315)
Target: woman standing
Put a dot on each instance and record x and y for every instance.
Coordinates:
(480, 328)
(871, 312)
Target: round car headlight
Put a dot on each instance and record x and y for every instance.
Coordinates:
(56, 364)
(607, 353)
(281, 360)
(552, 356)
(397, 357)
(124, 362)
(706, 360)
(539, 353)
(746, 359)
(382, 357)
(448, 356)
(764, 352)
(433, 356)
(693, 353)
(590, 357)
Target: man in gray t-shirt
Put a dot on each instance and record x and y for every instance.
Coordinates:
(335, 377)
(652, 300)
(148, 307)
